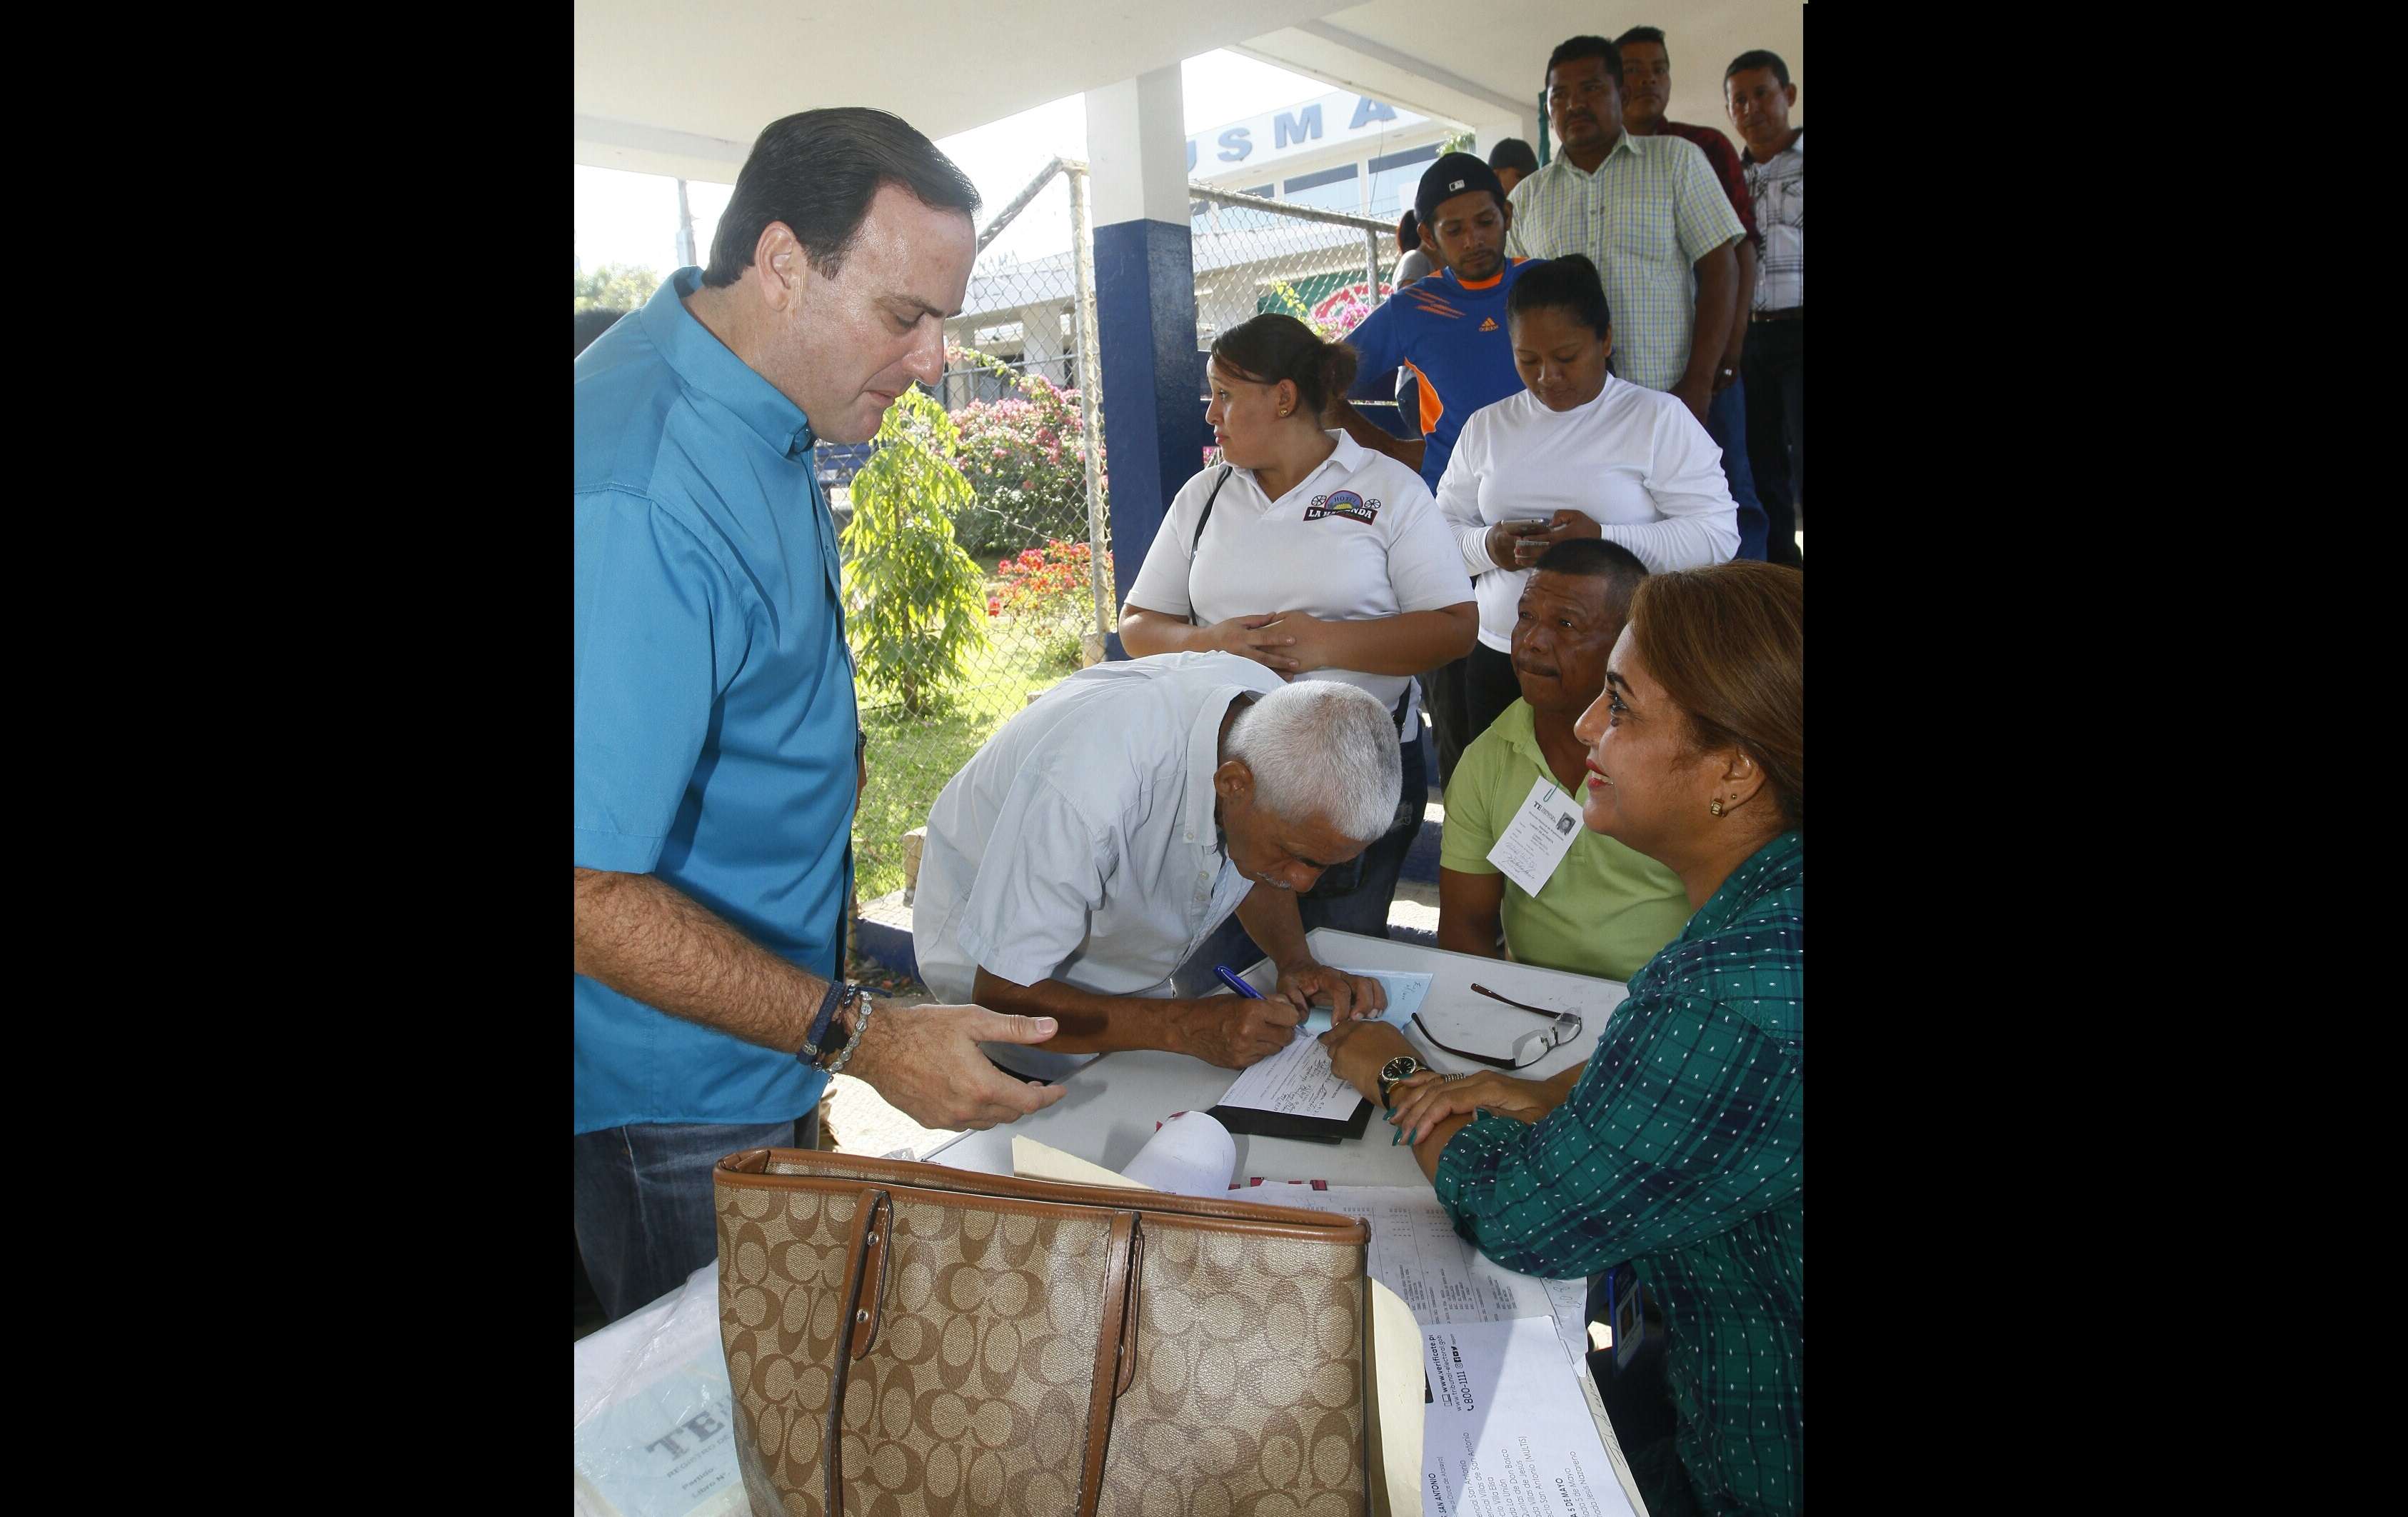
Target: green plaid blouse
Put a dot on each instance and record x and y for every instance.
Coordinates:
(1683, 1150)
(1651, 210)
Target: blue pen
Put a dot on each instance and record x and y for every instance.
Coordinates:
(1237, 981)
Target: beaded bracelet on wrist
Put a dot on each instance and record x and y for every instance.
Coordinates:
(845, 1057)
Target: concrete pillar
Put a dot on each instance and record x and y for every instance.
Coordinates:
(1145, 308)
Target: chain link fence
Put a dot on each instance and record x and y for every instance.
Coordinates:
(981, 543)
(1326, 268)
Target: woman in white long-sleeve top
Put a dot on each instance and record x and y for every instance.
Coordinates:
(1578, 453)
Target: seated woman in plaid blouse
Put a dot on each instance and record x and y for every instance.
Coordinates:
(1679, 1148)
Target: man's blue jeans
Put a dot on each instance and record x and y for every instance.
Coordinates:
(645, 1215)
(1727, 423)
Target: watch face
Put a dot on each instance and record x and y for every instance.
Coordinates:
(1399, 1066)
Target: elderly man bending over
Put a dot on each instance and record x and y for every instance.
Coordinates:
(1082, 854)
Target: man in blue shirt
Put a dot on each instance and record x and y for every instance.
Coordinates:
(714, 720)
(1449, 330)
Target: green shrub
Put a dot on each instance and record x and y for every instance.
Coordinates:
(914, 607)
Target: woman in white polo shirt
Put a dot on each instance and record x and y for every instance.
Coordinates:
(1579, 453)
(1314, 556)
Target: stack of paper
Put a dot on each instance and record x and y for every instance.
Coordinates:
(1511, 1426)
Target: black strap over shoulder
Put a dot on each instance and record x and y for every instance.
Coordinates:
(1206, 515)
(1202, 516)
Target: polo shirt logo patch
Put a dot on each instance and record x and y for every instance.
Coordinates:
(1345, 503)
(1488, 323)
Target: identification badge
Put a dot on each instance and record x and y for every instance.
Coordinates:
(1630, 1375)
(1539, 836)
(1345, 503)
(1625, 1315)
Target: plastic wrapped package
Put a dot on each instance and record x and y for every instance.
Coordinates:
(655, 1426)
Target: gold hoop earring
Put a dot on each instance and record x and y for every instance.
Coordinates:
(1717, 808)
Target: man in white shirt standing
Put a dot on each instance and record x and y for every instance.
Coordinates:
(1102, 833)
(1757, 92)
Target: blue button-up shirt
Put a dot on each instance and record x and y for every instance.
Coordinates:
(714, 705)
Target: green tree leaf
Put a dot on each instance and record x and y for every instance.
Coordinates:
(615, 287)
(914, 605)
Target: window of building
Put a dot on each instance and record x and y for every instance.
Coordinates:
(1332, 189)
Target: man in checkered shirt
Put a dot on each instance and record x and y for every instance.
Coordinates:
(1649, 213)
(1757, 92)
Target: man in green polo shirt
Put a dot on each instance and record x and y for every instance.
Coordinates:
(1605, 909)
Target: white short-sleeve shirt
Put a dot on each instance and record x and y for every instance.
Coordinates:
(1079, 844)
(1357, 538)
(1633, 460)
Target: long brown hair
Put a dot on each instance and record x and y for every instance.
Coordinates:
(1729, 646)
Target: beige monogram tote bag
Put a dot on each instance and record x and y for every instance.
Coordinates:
(909, 1339)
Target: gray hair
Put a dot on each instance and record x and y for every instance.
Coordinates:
(1319, 749)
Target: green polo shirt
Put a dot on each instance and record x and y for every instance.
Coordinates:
(1604, 911)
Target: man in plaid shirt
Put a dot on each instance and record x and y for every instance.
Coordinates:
(1758, 94)
(1649, 214)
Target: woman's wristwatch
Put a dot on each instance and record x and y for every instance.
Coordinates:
(1393, 1071)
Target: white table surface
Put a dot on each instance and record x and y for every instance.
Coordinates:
(1113, 1102)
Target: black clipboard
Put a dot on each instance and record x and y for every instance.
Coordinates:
(1258, 1122)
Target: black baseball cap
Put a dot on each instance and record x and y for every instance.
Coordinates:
(1457, 173)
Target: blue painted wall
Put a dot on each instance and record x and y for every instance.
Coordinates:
(1145, 332)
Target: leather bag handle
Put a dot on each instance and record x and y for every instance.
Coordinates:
(873, 1220)
(868, 1312)
(1115, 1351)
(1128, 1322)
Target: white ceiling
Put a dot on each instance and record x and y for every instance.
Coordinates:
(683, 90)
